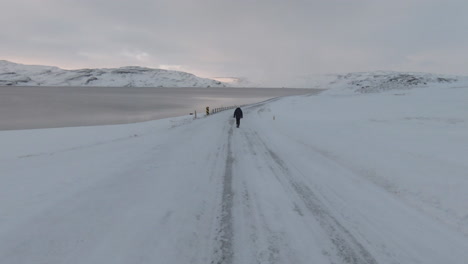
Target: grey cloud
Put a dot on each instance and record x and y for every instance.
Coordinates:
(273, 40)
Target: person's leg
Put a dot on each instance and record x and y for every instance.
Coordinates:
(238, 121)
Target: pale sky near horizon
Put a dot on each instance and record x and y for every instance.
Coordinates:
(270, 41)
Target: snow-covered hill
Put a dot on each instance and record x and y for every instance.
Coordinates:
(355, 82)
(14, 74)
(31, 75)
(378, 81)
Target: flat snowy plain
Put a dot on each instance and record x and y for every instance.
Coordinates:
(332, 178)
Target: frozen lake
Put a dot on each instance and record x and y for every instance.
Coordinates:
(47, 107)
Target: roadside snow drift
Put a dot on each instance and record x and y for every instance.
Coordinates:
(335, 178)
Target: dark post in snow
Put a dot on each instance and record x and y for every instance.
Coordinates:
(207, 110)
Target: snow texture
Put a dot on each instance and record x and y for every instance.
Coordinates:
(131, 76)
(371, 82)
(335, 178)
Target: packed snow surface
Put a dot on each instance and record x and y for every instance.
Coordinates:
(132, 76)
(335, 178)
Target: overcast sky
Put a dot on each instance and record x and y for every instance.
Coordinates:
(264, 40)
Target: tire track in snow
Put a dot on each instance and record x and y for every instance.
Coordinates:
(272, 245)
(225, 233)
(266, 243)
(347, 247)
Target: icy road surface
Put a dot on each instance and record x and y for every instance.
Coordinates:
(202, 191)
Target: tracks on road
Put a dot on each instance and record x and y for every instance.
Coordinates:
(248, 230)
(225, 232)
(247, 195)
(346, 246)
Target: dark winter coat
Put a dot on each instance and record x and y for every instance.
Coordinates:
(238, 113)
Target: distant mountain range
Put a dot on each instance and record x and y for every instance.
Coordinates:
(13, 74)
(379, 81)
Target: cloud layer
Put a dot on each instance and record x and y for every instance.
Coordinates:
(269, 41)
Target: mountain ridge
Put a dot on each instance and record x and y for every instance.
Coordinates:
(15, 74)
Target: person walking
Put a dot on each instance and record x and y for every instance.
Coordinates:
(238, 115)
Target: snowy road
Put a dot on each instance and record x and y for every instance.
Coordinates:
(284, 201)
(202, 191)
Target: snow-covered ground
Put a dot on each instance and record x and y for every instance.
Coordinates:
(341, 177)
(33, 75)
